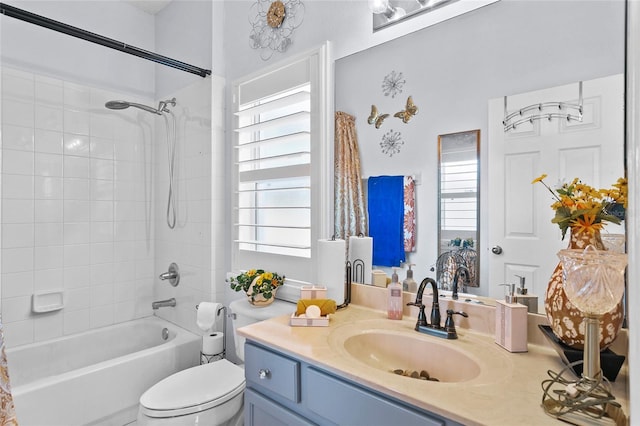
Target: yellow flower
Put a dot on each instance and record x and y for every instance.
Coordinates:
(267, 276)
(251, 272)
(585, 208)
(539, 178)
(586, 223)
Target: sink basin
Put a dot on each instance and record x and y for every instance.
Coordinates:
(389, 351)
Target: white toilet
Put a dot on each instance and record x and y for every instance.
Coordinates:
(209, 394)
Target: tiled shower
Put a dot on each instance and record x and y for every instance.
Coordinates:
(84, 192)
(77, 204)
(83, 200)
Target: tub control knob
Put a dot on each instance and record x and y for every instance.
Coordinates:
(264, 373)
(173, 275)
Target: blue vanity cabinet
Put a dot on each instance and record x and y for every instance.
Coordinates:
(283, 390)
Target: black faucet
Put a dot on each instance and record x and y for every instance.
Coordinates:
(464, 271)
(433, 328)
(435, 307)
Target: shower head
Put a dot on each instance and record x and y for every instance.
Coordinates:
(126, 104)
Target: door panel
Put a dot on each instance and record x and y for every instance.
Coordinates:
(520, 213)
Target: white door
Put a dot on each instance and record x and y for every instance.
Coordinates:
(521, 238)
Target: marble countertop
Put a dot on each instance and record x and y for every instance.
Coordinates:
(507, 391)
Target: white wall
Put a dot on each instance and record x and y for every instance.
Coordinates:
(184, 31)
(34, 48)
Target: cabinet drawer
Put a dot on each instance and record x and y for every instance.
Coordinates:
(346, 404)
(271, 372)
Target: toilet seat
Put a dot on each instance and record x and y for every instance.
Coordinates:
(194, 389)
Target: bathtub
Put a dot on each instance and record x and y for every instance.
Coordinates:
(96, 377)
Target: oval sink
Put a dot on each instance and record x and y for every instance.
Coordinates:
(388, 351)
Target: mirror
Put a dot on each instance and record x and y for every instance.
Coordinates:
(459, 201)
(451, 71)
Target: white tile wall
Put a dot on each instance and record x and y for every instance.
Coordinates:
(76, 206)
(189, 244)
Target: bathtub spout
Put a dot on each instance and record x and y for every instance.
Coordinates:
(163, 303)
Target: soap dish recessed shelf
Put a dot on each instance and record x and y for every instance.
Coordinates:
(48, 301)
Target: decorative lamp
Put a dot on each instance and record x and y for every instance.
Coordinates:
(594, 283)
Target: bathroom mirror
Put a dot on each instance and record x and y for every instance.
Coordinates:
(459, 201)
(451, 71)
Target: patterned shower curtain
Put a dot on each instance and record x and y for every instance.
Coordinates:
(7, 410)
(350, 216)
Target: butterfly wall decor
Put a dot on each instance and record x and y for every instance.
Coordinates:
(375, 118)
(410, 110)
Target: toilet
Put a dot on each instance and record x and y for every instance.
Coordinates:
(209, 394)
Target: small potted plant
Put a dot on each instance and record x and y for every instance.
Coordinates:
(260, 285)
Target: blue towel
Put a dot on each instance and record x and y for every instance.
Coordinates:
(386, 219)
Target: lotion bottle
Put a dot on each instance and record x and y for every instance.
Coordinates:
(511, 322)
(529, 300)
(409, 284)
(394, 298)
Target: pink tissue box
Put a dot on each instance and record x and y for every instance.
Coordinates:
(313, 292)
(296, 321)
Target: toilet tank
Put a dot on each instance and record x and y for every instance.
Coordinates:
(246, 313)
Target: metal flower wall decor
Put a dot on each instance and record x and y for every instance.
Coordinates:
(392, 84)
(272, 25)
(391, 142)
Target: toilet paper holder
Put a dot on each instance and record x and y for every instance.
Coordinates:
(207, 358)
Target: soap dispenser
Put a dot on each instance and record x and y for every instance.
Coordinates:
(409, 284)
(394, 298)
(511, 322)
(529, 300)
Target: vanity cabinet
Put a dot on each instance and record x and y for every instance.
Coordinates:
(283, 390)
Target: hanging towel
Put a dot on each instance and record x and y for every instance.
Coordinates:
(386, 219)
(409, 214)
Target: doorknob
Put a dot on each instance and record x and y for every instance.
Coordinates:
(496, 250)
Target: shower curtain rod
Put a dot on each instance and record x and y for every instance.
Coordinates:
(32, 18)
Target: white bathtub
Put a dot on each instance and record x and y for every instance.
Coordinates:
(96, 377)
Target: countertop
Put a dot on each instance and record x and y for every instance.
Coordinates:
(507, 392)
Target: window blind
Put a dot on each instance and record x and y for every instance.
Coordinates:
(274, 169)
(458, 195)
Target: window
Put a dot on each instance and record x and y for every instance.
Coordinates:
(459, 194)
(280, 166)
(458, 188)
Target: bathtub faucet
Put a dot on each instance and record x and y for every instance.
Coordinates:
(163, 303)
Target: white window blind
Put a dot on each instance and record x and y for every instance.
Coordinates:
(279, 152)
(274, 158)
(458, 195)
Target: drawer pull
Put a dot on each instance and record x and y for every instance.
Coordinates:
(264, 373)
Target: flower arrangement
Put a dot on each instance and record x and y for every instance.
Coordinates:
(585, 208)
(265, 283)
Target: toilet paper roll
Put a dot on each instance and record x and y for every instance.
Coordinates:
(361, 248)
(212, 343)
(331, 268)
(206, 315)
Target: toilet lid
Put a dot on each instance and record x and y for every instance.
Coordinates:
(194, 389)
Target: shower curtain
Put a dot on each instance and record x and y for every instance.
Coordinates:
(7, 410)
(350, 217)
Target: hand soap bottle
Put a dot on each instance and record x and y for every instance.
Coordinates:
(409, 284)
(394, 298)
(529, 300)
(511, 322)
